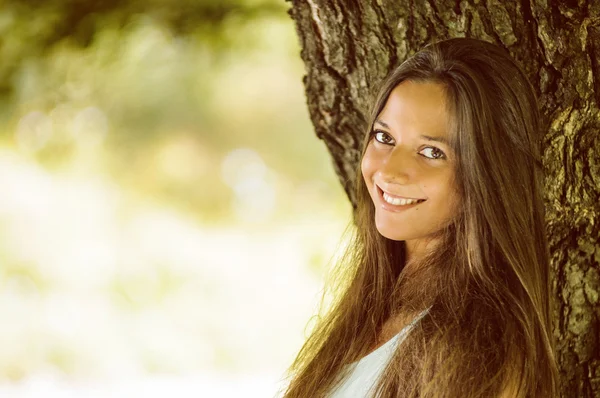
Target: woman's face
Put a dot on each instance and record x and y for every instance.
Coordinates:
(408, 156)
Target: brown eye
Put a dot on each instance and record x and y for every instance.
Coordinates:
(434, 153)
(382, 137)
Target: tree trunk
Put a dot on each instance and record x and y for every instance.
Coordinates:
(348, 46)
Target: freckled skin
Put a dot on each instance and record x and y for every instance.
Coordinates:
(403, 166)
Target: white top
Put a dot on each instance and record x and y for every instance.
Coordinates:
(365, 373)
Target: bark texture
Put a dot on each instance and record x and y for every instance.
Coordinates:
(348, 46)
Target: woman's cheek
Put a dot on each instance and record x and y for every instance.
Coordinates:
(367, 166)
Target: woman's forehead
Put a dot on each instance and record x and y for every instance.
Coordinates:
(418, 104)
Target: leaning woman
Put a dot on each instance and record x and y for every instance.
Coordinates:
(444, 289)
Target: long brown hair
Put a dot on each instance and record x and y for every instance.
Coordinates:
(488, 332)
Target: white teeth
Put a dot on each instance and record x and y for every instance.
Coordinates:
(398, 201)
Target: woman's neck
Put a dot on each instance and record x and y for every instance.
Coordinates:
(417, 249)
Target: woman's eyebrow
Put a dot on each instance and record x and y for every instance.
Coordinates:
(381, 122)
(437, 139)
(443, 140)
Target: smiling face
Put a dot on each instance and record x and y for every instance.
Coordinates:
(408, 157)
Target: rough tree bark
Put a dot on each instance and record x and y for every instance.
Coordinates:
(348, 46)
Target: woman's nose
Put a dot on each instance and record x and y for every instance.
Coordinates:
(398, 167)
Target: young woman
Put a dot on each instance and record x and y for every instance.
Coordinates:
(444, 290)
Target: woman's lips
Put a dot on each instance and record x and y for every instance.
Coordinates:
(381, 191)
(396, 207)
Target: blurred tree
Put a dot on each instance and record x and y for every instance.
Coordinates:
(347, 48)
(31, 28)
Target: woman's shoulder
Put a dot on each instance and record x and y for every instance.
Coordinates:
(396, 325)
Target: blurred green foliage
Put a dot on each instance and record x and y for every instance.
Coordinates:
(162, 92)
(164, 203)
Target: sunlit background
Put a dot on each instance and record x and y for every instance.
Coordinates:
(167, 214)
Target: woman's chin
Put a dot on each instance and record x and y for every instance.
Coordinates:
(391, 234)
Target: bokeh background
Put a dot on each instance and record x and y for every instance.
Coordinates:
(167, 215)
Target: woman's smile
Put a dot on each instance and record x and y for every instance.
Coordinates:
(395, 203)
